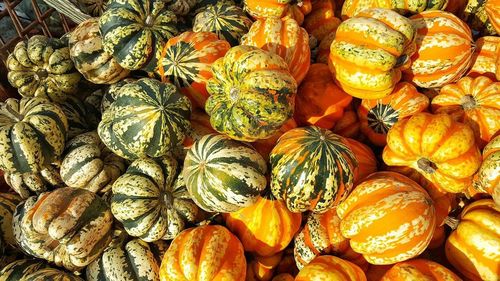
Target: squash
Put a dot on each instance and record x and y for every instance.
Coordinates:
(147, 119)
(441, 149)
(367, 162)
(353, 7)
(484, 59)
(388, 197)
(419, 269)
(476, 16)
(324, 48)
(312, 169)
(319, 100)
(262, 268)
(285, 38)
(181, 7)
(487, 179)
(30, 183)
(94, 8)
(265, 146)
(321, 21)
(17, 270)
(266, 227)
(278, 9)
(226, 20)
(52, 274)
(32, 134)
(378, 116)
(330, 268)
(255, 98)
(444, 49)
(135, 32)
(186, 59)
(369, 51)
(348, 126)
(492, 8)
(287, 263)
(8, 204)
(204, 253)
(81, 116)
(112, 92)
(223, 175)
(200, 126)
(473, 247)
(41, 67)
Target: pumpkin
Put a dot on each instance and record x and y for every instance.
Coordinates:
(69, 227)
(324, 48)
(419, 269)
(262, 268)
(312, 169)
(19, 269)
(112, 92)
(252, 100)
(319, 100)
(29, 183)
(477, 17)
(186, 59)
(226, 20)
(8, 204)
(81, 116)
(321, 21)
(32, 134)
(484, 59)
(135, 32)
(223, 175)
(348, 126)
(181, 7)
(487, 178)
(266, 227)
(330, 268)
(265, 146)
(41, 67)
(367, 162)
(379, 115)
(384, 197)
(492, 8)
(278, 9)
(473, 247)
(353, 7)
(51, 274)
(369, 51)
(441, 149)
(148, 118)
(285, 38)
(204, 253)
(444, 49)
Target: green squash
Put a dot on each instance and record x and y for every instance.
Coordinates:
(30, 183)
(181, 7)
(147, 119)
(8, 203)
(51, 274)
(17, 270)
(80, 115)
(111, 92)
(476, 17)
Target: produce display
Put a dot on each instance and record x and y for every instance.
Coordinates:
(254, 140)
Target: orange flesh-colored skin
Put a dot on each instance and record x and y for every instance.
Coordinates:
(265, 146)
(487, 178)
(367, 162)
(262, 268)
(275, 8)
(492, 8)
(485, 57)
(330, 268)
(321, 21)
(419, 269)
(348, 125)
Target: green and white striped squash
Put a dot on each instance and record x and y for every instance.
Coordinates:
(181, 7)
(31, 183)
(148, 204)
(89, 164)
(225, 19)
(8, 203)
(17, 270)
(312, 169)
(111, 92)
(135, 31)
(41, 67)
(32, 134)
(147, 119)
(80, 115)
(223, 175)
(51, 274)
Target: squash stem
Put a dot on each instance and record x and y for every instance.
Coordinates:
(452, 222)
(468, 102)
(426, 165)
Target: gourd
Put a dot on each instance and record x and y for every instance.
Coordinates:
(485, 57)
(278, 9)
(488, 176)
(30, 183)
(419, 269)
(353, 7)
(330, 268)
(19, 269)
(51, 274)
(8, 204)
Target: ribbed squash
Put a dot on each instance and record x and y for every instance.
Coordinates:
(134, 32)
(321, 21)
(41, 67)
(487, 178)
(441, 149)
(262, 268)
(17, 270)
(265, 146)
(353, 7)
(112, 92)
(367, 162)
(8, 204)
(379, 115)
(484, 59)
(30, 183)
(473, 248)
(51, 274)
(226, 20)
(148, 118)
(81, 116)
(204, 253)
(251, 93)
(444, 49)
(348, 126)
(492, 8)
(388, 217)
(279, 9)
(312, 169)
(285, 38)
(330, 268)
(323, 52)
(181, 7)
(419, 269)
(223, 175)
(186, 59)
(200, 126)
(369, 52)
(32, 134)
(476, 16)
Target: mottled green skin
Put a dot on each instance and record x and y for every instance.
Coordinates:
(8, 204)
(51, 274)
(17, 270)
(147, 119)
(79, 115)
(110, 94)
(33, 183)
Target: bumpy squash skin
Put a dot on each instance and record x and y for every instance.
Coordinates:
(18, 269)
(278, 9)
(51, 274)
(487, 179)
(492, 8)
(31, 183)
(8, 203)
(419, 269)
(353, 7)
(330, 268)
(485, 58)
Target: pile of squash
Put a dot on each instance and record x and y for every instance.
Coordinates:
(306, 140)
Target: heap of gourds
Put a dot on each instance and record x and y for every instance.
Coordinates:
(277, 140)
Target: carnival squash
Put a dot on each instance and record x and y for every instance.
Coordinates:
(492, 8)
(82, 118)
(487, 179)
(8, 203)
(477, 17)
(353, 7)
(295, 9)
(30, 183)
(52, 274)
(485, 58)
(321, 21)
(265, 146)
(419, 269)
(330, 268)
(17, 270)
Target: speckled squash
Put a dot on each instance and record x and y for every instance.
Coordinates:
(147, 119)
(444, 49)
(312, 169)
(379, 115)
(487, 179)
(186, 59)
(384, 197)
(330, 268)
(93, 8)
(265, 146)
(251, 94)
(32, 134)
(278, 9)
(353, 7)
(441, 149)
(473, 247)
(484, 59)
(181, 7)
(492, 8)
(134, 32)
(204, 253)
(419, 269)
(30, 183)
(369, 51)
(476, 16)
(81, 116)
(367, 161)
(41, 67)
(51, 274)
(321, 21)
(112, 92)
(8, 204)
(223, 175)
(17, 270)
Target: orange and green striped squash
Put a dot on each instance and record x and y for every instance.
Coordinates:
(484, 59)
(369, 51)
(331, 268)
(321, 21)
(492, 8)
(388, 218)
(367, 162)
(487, 179)
(265, 146)
(353, 7)
(476, 16)
(419, 269)
(295, 9)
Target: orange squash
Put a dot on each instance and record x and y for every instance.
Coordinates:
(473, 248)
(388, 217)
(204, 253)
(348, 126)
(419, 269)
(321, 21)
(379, 115)
(353, 7)
(367, 162)
(264, 146)
(295, 9)
(492, 8)
(475, 102)
(287, 264)
(324, 48)
(484, 59)
(330, 268)
(441, 149)
(487, 179)
(375, 272)
(438, 237)
(262, 268)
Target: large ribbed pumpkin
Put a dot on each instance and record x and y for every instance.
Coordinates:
(487, 178)
(388, 217)
(444, 49)
(17, 270)
(485, 58)
(295, 9)
(492, 8)
(353, 7)
(321, 21)
(369, 51)
(419, 269)
(312, 169)
(330, 268)
(204, 253)
(8, 203)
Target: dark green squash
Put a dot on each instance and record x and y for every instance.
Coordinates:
(17, 270)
